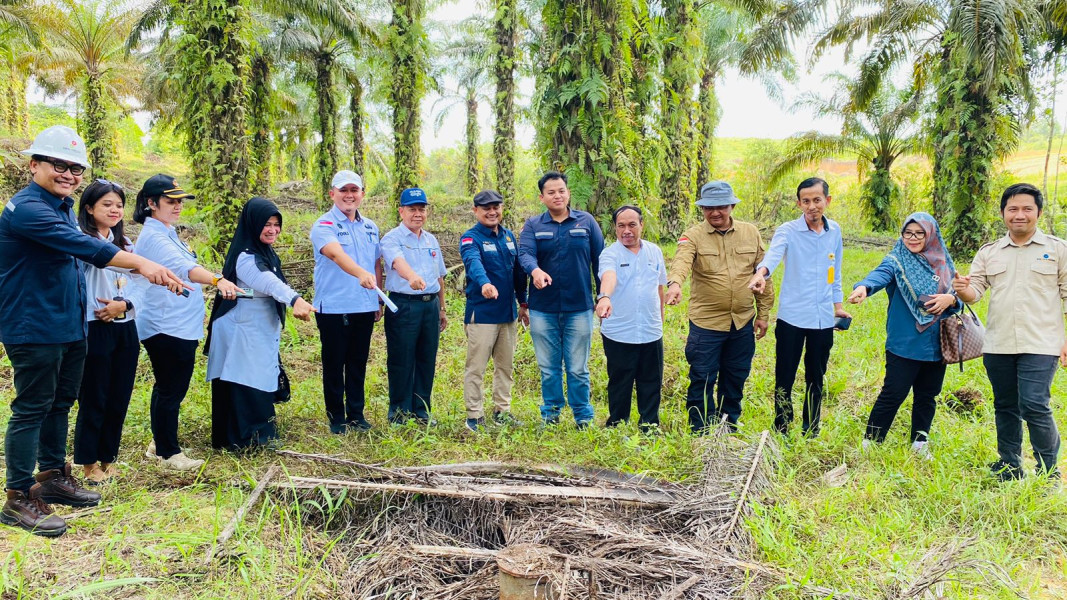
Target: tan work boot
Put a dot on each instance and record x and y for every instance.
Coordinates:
(181, 462)
(27, 511)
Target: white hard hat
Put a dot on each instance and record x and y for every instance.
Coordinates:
(62, 142)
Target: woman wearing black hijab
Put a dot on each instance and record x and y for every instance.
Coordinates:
(244, 333)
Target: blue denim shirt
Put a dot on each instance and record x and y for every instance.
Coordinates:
(902, 337)
(492, 258)
(570, 253)
(42, 288)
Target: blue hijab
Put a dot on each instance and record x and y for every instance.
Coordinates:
(928, 271)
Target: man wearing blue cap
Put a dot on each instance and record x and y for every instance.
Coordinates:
(722, 253)
(347, 268)
(494, 282)
(415, 280)
(810, 302)
(560, 250)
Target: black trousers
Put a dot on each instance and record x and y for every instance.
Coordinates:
(172, 364)
(903, 375)
(631, 365)
(46, 383)
(725, 356)
(790, 343)
(411, 337)
(107, 383)
(345, 340)
(1022, 386)
(241, 416)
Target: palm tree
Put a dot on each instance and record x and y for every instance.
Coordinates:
(505, 60)
(681, 46)
(975, 55)
(86, 53)
(408, 49)
(878, 135)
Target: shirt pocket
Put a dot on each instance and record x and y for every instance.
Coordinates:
(1044, 276)
(745, 259)
(708, 259)
(995, 275)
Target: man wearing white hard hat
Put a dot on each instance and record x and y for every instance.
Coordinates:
(43, 329)
(347, 269)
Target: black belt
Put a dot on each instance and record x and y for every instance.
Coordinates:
(413, 297)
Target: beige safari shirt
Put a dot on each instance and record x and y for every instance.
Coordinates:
(1027, 286)
(722, 265)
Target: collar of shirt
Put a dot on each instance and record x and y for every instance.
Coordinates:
(802, 223)
(1037, 238)
(710, 229)
(341, 217)
(53, 200)
(546, 217)
(487, 231)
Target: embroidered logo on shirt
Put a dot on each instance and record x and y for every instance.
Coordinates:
(466, 241)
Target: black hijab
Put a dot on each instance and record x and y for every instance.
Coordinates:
(254, 217)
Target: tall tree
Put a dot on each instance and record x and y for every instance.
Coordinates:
(260, 119)
(86, 52)
(408, 57)
(681, 47)
(504, 51)
(356, 115)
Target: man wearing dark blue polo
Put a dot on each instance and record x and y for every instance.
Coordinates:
(560, 250)
(494, 282)
(43, 329)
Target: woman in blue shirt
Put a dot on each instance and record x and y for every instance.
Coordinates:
(111, 359)
(917, 275)
(244, 334)
(170, 327)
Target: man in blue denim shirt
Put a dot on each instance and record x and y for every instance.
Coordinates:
(42, 300)
(494, 282)
(560, 250)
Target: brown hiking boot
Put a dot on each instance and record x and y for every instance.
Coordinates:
(61, 487)
(29, 512)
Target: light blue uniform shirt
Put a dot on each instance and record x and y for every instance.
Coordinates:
(337, 292)
(245, 340)
(161, 310)
(422, 253)
(811, 283)
(635, 315)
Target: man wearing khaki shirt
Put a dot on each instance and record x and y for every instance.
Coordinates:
(1026, 275)
(722, 254)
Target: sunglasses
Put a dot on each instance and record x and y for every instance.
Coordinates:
(103, 181)
(62, 167)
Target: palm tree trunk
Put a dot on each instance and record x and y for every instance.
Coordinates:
(505, 25)
(708, 122)
(259, 121)
(98, 136)
(326, 155)
(355, 110)
(212, 69)
(678, 80)
(1050, 206)
(406, 91)
(7, 90)
(878, 193)
(473, 178)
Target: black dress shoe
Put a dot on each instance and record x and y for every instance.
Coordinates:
(61, 487)
(26, 510)
(360, 425)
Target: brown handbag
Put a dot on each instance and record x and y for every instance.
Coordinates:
(962, 336)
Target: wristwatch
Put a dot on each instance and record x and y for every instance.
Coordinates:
(216, 278)
(602, 296)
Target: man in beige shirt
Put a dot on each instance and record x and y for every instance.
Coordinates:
(724, 324)
(1026, 275)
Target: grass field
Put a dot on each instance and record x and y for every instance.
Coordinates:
(867, 537)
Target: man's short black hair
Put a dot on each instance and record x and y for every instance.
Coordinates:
(1022, 188)
(811, 181)
(618, 211)
(549, 177)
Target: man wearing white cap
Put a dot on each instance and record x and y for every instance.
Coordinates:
(42, 300)
(347, 269)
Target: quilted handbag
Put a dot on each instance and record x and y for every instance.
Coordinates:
(962, 336)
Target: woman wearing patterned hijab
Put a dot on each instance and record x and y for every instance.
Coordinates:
(917, 275)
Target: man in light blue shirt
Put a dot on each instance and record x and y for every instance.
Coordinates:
(347, 268)
(809, 303)
(415, 279)
(630, 305)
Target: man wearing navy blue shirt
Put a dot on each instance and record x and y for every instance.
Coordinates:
(43, 329)
(495, 280)
(560, 250)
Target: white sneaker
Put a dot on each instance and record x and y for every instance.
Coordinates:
(865, 445)
(922, 450)
(181, 462)
(151, 452)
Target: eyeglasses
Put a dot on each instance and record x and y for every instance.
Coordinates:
(103, 181)
(913, 235)
(62, 167)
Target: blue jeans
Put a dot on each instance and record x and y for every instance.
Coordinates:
(1021, 388)
(561, 340)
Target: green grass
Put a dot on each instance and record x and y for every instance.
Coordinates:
(864, 537)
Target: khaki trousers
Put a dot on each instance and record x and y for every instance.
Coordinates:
(484, 340)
